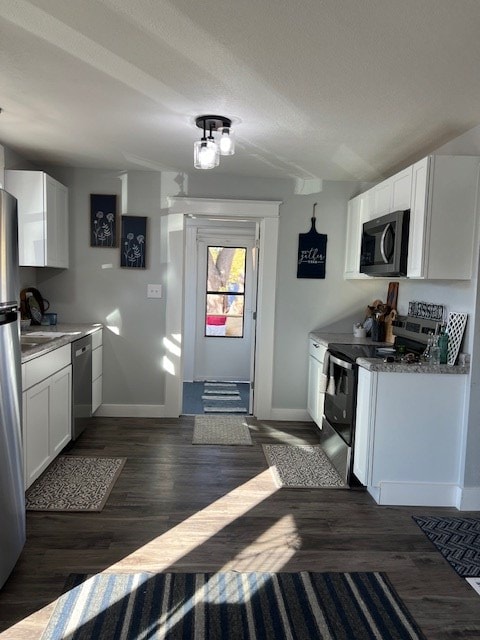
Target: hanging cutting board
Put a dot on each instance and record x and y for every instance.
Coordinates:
(312, 252)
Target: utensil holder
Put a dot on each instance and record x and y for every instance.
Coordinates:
(378, 331)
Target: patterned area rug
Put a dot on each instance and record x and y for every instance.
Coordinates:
(230, 430)
(74, 483)
(302, 466)
(222, 397)
(457, 539)
(233, 606)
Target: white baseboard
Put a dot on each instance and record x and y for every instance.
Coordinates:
(292, 415)
(416, 494)
(468, 499)
(158, 411)
(130, 411)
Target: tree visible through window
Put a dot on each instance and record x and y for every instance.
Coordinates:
(225, 288)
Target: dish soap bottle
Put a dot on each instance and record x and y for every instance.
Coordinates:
(443, 345)
(426, 355)
(435, 351)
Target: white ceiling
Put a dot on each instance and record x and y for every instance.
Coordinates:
(330, 89)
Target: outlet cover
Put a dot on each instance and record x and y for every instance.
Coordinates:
(154, 290)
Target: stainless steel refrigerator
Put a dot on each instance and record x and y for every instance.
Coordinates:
(12, 494)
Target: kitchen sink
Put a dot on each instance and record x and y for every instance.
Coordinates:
(27, 342)
(36, 339)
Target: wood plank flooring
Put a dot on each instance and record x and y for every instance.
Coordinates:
(183, 507)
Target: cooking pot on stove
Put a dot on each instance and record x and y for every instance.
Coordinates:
(33, 305)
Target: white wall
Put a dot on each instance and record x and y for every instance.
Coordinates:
(91, 291)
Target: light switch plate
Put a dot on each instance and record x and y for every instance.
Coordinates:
(154, 290)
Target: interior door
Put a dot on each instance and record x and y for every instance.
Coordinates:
(225, 306)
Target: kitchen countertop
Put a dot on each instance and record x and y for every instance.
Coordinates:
(67, 333)
(376, 364)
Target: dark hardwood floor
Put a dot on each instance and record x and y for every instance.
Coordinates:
(183, 507)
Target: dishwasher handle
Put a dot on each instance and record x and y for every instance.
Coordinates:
(82, 350)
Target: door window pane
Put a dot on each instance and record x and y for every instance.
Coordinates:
(225, 292)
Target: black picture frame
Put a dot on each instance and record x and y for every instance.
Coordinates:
(133, 244)
(103, 220)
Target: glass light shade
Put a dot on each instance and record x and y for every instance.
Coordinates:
(205, 154)
(226, 141)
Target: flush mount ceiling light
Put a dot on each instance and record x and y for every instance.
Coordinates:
(207, 150)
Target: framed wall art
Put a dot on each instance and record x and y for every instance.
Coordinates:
(103, 220)
(133, 245)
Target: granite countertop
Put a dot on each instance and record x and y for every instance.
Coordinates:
(376, 364)
(66, 333)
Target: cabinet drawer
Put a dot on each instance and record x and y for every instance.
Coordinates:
(317, 350)
(97, 362)
(97, 339)
(44, 366)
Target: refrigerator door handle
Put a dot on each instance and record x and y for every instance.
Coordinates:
(8, 306)
(6, 317)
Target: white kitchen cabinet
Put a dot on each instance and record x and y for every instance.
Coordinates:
(97, 370)
(316, 396)
(356, 216)
(42, 218)
(36, 421)
(393, 194)
(441, 193)
(442, 218)
(47, 410)
(408, 452)
(390, 195)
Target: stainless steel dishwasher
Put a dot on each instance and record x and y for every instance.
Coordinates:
(82, 384)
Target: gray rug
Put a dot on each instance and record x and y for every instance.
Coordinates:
(457, 539)
(229, 430)
(302, 466)
(74, 483)
(222, 397)
(231, 606)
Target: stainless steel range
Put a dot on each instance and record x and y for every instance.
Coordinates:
(338, 424)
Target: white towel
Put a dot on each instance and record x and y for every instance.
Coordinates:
(326, 382)
(331, 381)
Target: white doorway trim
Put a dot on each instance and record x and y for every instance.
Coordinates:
(266, 213)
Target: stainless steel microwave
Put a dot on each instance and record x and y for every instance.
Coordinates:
(385, 245)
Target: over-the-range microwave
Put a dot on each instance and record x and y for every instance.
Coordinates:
(385, 245)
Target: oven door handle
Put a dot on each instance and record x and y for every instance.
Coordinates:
(341, 363)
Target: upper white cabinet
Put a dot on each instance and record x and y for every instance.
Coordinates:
(441, 193)
(393, 194)
(442, 217)
(42, 218)
(357, 213)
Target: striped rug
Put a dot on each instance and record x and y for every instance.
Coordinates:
(222, 397)
(233, 606)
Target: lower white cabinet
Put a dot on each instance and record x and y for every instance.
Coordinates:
(316, 395)
(47, 410)
(408, 436)
(97, 370)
